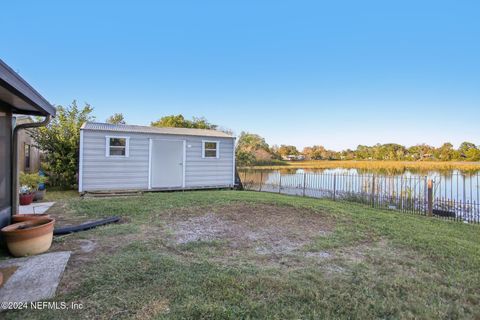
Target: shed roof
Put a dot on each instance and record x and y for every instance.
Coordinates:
(19, 96)
(97, 126)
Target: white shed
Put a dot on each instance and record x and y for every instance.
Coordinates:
(128, 157)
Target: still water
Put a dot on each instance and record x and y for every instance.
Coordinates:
(454, 185)
(450, 194)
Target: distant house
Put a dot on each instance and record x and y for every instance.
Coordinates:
(426, 156)
(292, 157)
(28, 154)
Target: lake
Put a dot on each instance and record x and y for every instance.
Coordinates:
(455, 194)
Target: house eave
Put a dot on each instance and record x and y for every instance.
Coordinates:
(18, 96)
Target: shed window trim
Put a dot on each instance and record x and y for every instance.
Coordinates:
(205, 149)
(108, 147)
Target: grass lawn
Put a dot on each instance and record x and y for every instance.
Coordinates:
(239, 254)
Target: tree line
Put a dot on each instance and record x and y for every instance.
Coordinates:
(252, 149)
(59, 142)
(467, 151)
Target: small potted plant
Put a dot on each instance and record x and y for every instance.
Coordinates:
(29, 185)
(26, 195)
(41, 190)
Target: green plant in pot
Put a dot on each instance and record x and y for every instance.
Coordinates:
(26, 195)
(40, 193)
(29, 185)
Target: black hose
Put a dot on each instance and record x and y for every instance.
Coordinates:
(84, 226)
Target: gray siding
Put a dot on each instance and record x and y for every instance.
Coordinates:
(201, 172)
(131, 173)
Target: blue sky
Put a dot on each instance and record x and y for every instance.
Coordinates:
(336, 73)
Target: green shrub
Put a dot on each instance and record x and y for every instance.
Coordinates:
(59, 141)
(31, 181)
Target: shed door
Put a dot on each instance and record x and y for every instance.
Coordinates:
(167, 164)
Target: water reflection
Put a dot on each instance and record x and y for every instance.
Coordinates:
(451, 194)
(385, 172)
(454, 184)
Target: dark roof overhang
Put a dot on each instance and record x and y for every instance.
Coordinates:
(18, 96)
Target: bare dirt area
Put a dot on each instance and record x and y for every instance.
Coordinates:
(241, 233)
(249, 233)
(265, 235)
(266, 230)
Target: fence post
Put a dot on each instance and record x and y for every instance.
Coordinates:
(464, 207)
(280, 183)
(373, 190)
(261, 180)
(430, 197)
(334, 186)
(304, 181)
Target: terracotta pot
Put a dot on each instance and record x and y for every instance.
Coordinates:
(26, 199)
(29, 237)
(29, 216)
(1, 279)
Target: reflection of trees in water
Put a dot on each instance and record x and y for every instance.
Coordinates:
(455, 194)
(379, 171)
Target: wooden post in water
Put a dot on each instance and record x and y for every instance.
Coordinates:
(430, 197)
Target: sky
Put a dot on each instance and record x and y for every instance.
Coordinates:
(332, 73)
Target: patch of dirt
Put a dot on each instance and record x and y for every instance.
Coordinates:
(357, 254)
(319, 255)
(204, 228)
(339, 259)
(332, 269)
(87, 245)
(7, 272)
(153, 309)
(261, 234)
(264, 229)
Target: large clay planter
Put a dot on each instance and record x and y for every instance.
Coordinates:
(29, 237)
(29, 216)
(26, 199)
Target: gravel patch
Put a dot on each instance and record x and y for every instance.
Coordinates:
(319, 255)
(262, 229)
(204, 228)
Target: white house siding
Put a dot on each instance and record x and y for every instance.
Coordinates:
(131, 173)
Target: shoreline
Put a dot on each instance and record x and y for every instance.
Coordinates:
(373, 165)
